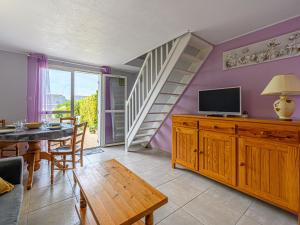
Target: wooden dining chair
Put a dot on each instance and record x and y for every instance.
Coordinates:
(62, 141)
(11, 148)
(59, 160)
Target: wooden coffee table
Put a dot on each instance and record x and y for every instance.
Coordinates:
(110, 194)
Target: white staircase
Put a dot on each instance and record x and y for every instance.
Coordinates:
(164, 75)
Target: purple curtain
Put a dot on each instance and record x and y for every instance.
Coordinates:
(37, 71)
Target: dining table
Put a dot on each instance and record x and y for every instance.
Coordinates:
(33, 137)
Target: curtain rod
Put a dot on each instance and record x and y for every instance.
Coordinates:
(74, 63)
(55, 59)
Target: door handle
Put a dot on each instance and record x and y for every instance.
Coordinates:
(242, 164)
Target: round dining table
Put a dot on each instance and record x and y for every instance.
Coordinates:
(33, 137)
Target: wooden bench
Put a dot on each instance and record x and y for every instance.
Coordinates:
(110, 194)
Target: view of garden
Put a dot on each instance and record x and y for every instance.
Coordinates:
(85, 108)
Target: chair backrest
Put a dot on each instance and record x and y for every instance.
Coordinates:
(77, 140)
(2, 123)
(70, 120)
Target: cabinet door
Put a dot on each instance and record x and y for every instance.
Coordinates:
(217, 156)
(269, 170)
(185, 147)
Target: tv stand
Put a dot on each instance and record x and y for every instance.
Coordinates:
(258, 157)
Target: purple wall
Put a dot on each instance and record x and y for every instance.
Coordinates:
(252, 79)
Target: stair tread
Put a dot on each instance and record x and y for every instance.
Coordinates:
(193, 58)
(175, 82)
(165, 93)
(162, 103)
(152, 121)
(139, 141)
(149, 128)
(184, 71)
(143, 135)
(158, 112)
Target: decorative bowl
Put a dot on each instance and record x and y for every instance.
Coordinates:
(33, 125)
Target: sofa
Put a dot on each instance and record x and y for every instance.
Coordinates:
(11, 170)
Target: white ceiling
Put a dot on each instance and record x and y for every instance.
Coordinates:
(113, 32)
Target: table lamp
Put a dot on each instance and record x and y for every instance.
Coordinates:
(283, 85)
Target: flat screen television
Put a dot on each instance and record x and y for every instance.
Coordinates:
(221, 101)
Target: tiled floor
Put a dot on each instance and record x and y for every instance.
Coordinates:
(193, 199)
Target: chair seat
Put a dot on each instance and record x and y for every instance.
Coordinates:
(64, 149)
(61, 139)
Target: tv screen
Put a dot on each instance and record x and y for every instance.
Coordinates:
(223, 101)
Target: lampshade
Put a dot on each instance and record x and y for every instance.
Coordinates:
(280, 84)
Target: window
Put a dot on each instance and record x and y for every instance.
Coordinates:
(63, 91)
(57, 87)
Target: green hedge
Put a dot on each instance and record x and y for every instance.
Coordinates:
(86, 108)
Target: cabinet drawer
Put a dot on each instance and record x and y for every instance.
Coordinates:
(217, 126)
(185, 122)
(270, 132)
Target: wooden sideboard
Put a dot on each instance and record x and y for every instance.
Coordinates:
(256, 156)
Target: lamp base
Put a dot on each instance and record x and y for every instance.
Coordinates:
(284, 107)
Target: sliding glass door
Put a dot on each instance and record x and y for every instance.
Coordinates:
(73, 93)
(113, 98)
(90, 97)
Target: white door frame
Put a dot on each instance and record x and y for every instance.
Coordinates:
(102, 110)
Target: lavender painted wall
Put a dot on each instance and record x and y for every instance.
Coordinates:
(252, 79)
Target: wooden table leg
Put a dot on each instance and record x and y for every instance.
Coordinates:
(149, 219)
(34, 147)
(30, 159)
(82, 200)
(33, 158)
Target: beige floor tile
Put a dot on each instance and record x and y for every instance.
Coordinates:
(129, 158)
(41, 197)
(164, 211)
(180, 217)
(247, 221)
(219, 194)
(45, 180)
(62, 213)
(160, 175)
(194, 180)
(265, 214)
(212, 212)
(100, 157)
(180, 193)
(143, 165)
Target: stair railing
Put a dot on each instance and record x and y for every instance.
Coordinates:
(147, 78)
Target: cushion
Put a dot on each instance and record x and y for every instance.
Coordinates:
(10, 205)
(5, 186)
